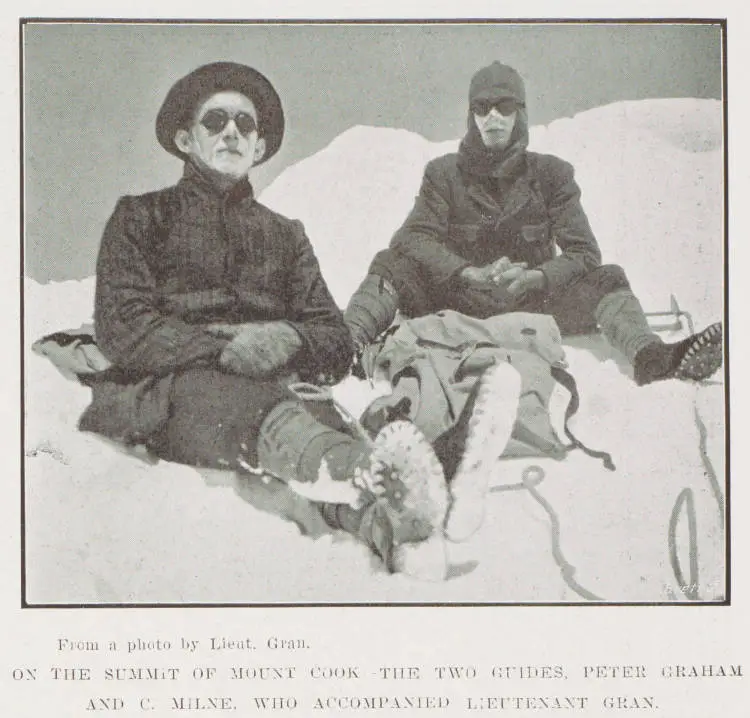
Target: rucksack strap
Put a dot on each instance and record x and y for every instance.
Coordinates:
(567, 380)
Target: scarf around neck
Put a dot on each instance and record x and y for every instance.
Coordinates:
(484, 163)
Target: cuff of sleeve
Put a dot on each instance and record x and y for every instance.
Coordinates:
(215, 347)
(452, 270)
(298, 332)
(558, 272)
(305, 346)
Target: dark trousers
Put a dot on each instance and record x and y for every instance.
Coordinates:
(216, 417)
(573, 306)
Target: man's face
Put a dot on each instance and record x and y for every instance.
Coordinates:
(224, 135)
(495, 119)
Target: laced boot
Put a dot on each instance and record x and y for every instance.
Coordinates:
(370, 524)
(487, 423)
(403, 505)
(625, 325)
(311, 457)
(389, 493)
(694, 359)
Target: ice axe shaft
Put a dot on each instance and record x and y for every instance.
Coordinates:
(674, 312)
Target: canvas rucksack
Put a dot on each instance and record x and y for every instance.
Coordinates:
(434, 361)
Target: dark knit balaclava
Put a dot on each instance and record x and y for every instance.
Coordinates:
(495, 81)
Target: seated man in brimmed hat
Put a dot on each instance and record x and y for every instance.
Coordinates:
(210, 307)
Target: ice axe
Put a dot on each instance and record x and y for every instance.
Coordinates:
(676, 313)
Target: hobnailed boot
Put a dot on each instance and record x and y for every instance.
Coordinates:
(405, 505)
(491, 420)
(693, 359)
(626, 327)
(370, 524)
(396, 483)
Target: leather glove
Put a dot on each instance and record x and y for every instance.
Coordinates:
(261, 349)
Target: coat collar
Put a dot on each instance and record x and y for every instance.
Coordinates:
(501, 203)
(208, 182)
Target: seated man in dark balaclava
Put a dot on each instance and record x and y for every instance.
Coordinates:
(497, 229)
(483, 239)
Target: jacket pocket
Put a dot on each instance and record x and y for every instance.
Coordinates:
(536, 234)
(464, 234)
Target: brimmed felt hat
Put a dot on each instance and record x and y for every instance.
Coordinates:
(187, 93)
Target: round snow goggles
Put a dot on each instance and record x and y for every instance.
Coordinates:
(505, 106)
(216, 120)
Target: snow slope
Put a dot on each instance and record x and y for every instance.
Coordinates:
(103, 526)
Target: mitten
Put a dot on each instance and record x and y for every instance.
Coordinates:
(261, 349)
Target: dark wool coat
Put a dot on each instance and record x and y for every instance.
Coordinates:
(459, 221)
(173, 260)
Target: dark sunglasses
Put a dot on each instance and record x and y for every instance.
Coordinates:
(507, 106)
(216, 120)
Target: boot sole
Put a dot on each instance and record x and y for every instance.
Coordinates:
(490, 428)
(704, 355)
(417, 496)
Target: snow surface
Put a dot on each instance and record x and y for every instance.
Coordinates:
(104, 526)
